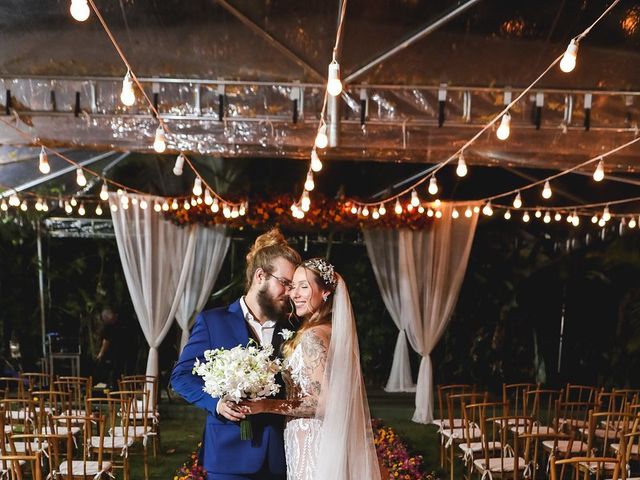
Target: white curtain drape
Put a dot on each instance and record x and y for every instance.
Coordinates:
(422, 271)
(156, 256)
(211, 245)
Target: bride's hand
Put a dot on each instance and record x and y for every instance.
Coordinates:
(252, 407)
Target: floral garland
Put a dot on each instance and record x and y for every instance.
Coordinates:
(324, 214)
(191, 470)
(395, 457)
(392, 453)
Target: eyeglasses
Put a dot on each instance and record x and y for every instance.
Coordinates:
(282, 281)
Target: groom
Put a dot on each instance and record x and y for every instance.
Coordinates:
(270, 266)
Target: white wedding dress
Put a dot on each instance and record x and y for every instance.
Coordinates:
(301, 435)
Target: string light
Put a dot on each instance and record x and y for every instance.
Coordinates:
(507, 215)
(606, 215)
(74, 202)
(45, 206)
(174, 204)
(433, 185)
(461, 169)
(226, 211)
(114, 207)
(309, 184)
(476, 209)
(375, 215)
(594, 219)
(487, 210)
(602, 222)
(598, 174)
(197, 187)
(305, 201)
(186, 205)
(127, 95)
(546, 191)
(334, 85)
(568, 62)
(143, 204)
(517, 202)
(455, 213)
(24, 207)
(538, 214)
(430, 213)
(68, 208)
(398, 207)
(243, 209)
(234, 212)
(193, 202)
(3, 206)
(98, 210)
(526, 217)
(354, 209)
(38, 205)
(104, 193)
(316, 164)
(160, 141)
(165, 206)
(632, 222)
(80, 178)
(547, 218)
(215, 206)
(79, 10)
(43, 164)
(504, 130)
(468, 212)
(178, 167)
(365, 211)
(420, 209)
(208, 199)
(575, 220)
(415, 201)
(570, 218)
(81, 210)
(438, 213)
(381, 209)
(321, 138)
(558, 217)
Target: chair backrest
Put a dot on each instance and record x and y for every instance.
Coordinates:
(90, 424)
(150, 383)
(12, 465)
(632, 395)
(580, 393)
(611, 401)
(116, 411)
(606, 428)
(136, 402)
(444, 391)
(20, 415)
(13, 387)
(475, 415)
(571, 416)
(516, 394)
(541, 404)
(498, 429)
(36, 381)
(78, 387)
(600, 467)
(35, 443)
(456, 404)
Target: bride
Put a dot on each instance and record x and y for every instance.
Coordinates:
(328, 432)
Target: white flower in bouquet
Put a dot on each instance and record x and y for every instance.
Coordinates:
(241, 373)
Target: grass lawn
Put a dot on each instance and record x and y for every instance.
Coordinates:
(182, 425)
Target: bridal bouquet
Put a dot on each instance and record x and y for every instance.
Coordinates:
(242, 373)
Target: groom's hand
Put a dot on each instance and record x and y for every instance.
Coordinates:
(230, 411)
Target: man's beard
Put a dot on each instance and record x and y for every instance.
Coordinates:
(269, 307)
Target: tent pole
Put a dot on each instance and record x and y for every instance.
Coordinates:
(41, 289)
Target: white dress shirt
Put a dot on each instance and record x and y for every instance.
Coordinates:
(263, 331)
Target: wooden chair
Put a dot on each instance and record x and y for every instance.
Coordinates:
(443, 392)
(79, 389)
(36, 381)
(580, 393)
(516, 394)
(598, 468)
(49, 447)
(472, 447)
(12, 467)
(571, 416)
(12, 387)
(150, 384)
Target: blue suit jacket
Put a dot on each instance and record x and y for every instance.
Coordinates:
(223, 451)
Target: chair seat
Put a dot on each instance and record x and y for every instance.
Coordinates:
(445, 422)
(477, 447)
(601, 433)
(593, 467)
(17, 414)
(635, 449)
(133, 432)
(500, 465)
(60, 430)
(541, 429)
(563, 446)
(460, 433)
(573, 422)
(23, 462)
(111, 442)
(21, 447)
(88, 468)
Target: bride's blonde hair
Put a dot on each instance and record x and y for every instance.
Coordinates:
(322, 316)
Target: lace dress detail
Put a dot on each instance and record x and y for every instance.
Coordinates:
(301, 435)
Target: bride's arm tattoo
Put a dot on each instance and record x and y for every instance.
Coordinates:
(315, 346)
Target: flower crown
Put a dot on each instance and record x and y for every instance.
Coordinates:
(324, 268)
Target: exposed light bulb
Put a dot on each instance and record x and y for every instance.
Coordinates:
(38, 205)
(177, 168)
(365, 211)
(174, 204)
(602, 222)
(79, 10)
(80, 178)
(3, 206)
(186, 205)
(68, 208)
(410, 207)
(226, 211)
(455, 213)
(309, 184)
(507, 215)
(143, 204)
(468, 212)
(114, 208)
(398, 207)
(606, 215)
(321, 138)
(74, 202)
(438, 213)
(316, 164)
(354, 210)
(517, 202)
(568, 62)
(433, 185)
(430, 212)
(208, 199)
(570, 218)
(598, 174)
(504, 130)
(23, 206)
(160, 141)
(487, 210)
(305, 201)
(127, 95)
(165, 206)
(334, 85)
(632, 223)
(14, 201)
(234, 212)
(242, 209)
(594, 219)
(381, 209)
(538, 214)
(81, 210)
(461, 169)
(197, 186)
(415, 201)
(193, 201)
(546, 191)
(557, 217)
(375, 215)
(215, 206)
(547, 217)
(43, 164)
(420, 209)
(526, 217)
(104, 193)
(98, 210)
(576, 219)
(45, 206)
